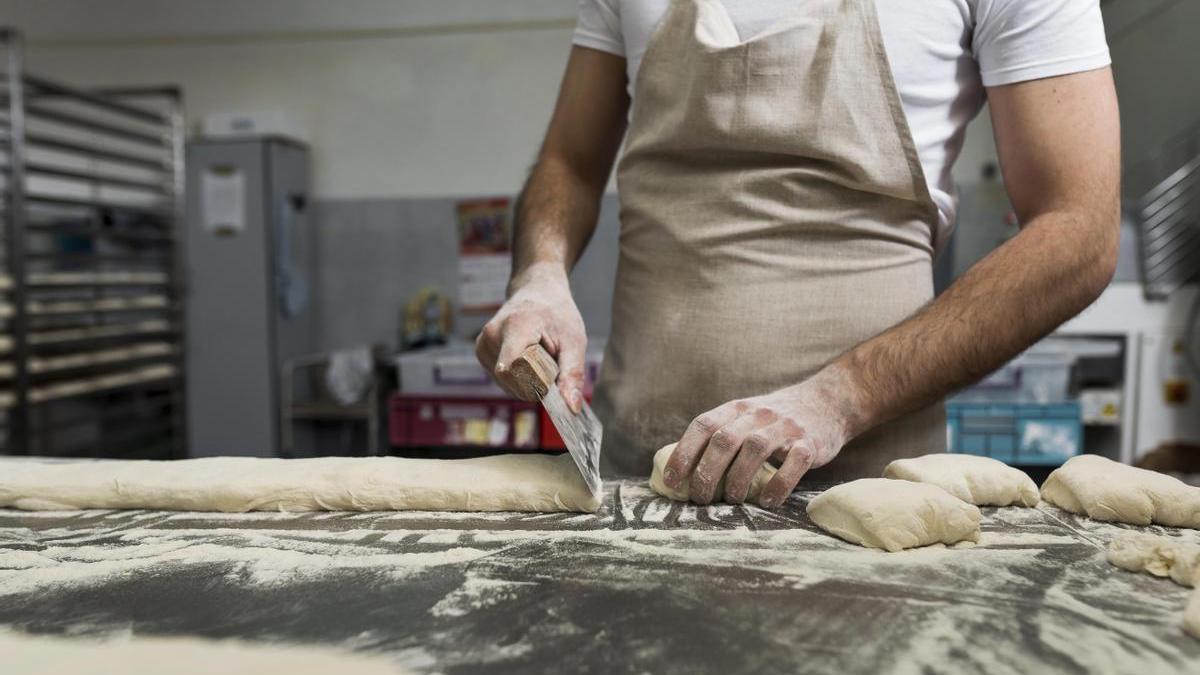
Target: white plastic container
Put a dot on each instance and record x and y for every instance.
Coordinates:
(454, 371)
(1045, 376)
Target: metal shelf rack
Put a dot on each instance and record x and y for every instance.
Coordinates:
(91, 294)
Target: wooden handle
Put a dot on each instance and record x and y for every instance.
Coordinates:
(534, 372)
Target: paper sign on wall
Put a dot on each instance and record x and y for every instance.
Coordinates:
(223, 200)
(484, 261)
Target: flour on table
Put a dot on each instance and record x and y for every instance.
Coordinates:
(894, 514)
(1092, 616)
(1191, 615)
(981, 481)
(500, 483)
(1162, 557)
(1108, 490)
(476, 593)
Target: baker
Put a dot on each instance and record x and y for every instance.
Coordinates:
(785, 184)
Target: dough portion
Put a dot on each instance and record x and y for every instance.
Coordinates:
(180, 656)
(981, 481)
(663, 455)
(1111, 491)
(1162, 557)
(237, 484)
(894, 514)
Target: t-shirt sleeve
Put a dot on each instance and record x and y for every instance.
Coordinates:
(1019, 40)
(599, 26)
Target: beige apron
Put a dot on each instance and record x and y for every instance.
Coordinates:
(773, 214)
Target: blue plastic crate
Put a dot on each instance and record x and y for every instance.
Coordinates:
(1016, 433)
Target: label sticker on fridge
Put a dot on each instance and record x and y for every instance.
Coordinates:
(223, 200)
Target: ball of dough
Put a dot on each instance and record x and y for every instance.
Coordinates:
(981, 481)
(760, 480)
(894, 514)
(1111, 491)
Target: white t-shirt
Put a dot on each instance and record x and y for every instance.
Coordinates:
(943, 53)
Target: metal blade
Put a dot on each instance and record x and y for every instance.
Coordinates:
(581, 433)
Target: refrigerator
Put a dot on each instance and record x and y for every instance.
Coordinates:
(248, 274)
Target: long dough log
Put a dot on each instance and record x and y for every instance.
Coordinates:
(180, 656)
(236, 484)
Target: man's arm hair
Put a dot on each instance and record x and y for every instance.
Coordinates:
(1059, 146)
(557, 210)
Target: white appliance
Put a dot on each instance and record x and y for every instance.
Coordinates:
(1152, 331)
(1168, 406)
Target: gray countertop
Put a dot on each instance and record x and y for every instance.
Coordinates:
(643, 585)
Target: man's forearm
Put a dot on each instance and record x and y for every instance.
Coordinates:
(1048, 273)
(555, 217)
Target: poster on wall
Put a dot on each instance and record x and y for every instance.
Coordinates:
(484, 258)
(223, 200)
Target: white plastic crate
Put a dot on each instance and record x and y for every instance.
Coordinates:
(454, 371)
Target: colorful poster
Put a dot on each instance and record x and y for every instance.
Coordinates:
(485, 258)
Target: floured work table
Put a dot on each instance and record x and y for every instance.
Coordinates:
(643, 585)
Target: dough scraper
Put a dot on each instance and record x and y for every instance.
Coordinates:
(535, 372)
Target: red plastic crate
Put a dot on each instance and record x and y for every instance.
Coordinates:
(426, 421)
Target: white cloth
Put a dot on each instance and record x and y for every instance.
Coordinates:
(942, 52)
(349, 374)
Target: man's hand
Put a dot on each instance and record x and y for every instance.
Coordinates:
(804, 425)
(539, 310)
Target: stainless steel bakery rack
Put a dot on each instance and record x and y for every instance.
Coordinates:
(91, 301)
(1163, 189)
